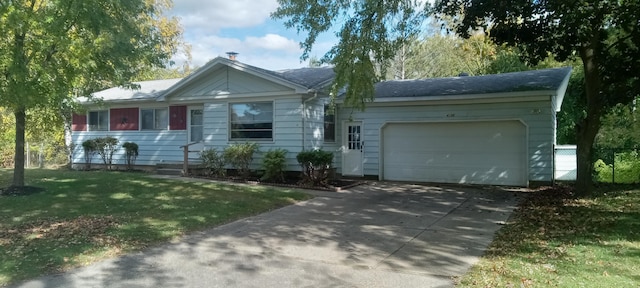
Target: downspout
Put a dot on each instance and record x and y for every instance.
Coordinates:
(304, 117)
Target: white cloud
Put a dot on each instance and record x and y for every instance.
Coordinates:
(273, 42)
(213, 15)
(271, 51)
(213, 27)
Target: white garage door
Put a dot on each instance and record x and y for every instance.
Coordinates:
(459, 152)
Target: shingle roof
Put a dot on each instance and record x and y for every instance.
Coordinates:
(536, 80)
(149, 90)
(311, 78)
(308, 77)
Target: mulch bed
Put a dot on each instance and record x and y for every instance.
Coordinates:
(335, 185)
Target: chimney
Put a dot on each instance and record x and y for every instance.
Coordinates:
(232, 55)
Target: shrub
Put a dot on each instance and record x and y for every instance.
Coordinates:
(214, 162)
(274, 165)
(106, 146)
(316, 166)
(90, 149)
(626, 169)
(130, 153)
(239, 156)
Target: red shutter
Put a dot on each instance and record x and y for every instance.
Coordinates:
(79, 122)
(124, 119)
(178, 118)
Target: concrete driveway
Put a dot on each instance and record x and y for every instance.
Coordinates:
(376, 235)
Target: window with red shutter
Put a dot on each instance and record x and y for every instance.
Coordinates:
(79, 122)
(178, 118)
(124, 119)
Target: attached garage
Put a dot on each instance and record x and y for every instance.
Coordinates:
(472, 152)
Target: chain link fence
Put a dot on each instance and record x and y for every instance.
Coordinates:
(36, 155)
(565, 163)
(617, 165)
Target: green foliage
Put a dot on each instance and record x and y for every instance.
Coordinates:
(83, 217)
(106, 147)
(316, 166)
(240, 155)
(214, 162)
(620, 127)
(371, 33)
(53, 51)
(90, 148)
(274, 165)
(626, 169)
(130, 153)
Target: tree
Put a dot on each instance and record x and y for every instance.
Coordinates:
(371, 33)
(620, 128)
(604, 35)
(443, 56)
(54, 50)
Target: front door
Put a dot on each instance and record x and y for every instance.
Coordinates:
(352, 149)
(195, 125)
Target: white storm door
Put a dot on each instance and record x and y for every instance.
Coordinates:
(352, 149)
(195, 127)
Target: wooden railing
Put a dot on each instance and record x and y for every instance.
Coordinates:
(185, 164)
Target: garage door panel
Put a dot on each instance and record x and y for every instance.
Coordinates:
(462, 152)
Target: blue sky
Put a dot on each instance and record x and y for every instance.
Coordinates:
(213, 27)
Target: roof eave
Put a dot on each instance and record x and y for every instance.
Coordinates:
(233, 64)
(562, 90)
(461, 96)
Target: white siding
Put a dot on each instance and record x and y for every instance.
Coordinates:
(536, 115)
(314, 129)
(153, 146)
(287, 131)
(228, 80)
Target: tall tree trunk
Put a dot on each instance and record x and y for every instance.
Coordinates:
(586, 134)
(68, 140)
(588, 128)
(18, 170)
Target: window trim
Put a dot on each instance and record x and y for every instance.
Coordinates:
(89, 124)
(325, 108)
(154, 119)
(230, 123)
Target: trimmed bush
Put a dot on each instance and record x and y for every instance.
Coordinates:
(130, 153)
(106, 146)
(239, 156)
(274, 165)
(214, 162)
(316, 166)
(90, 149)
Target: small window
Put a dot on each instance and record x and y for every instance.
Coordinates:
(154, 119)
(251, 120)
(329, 124)
(99, 120)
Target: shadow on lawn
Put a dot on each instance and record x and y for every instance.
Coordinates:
(386, 227)
(20, 191)
(550, 224)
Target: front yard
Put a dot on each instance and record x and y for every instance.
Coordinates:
(82, 217)
(553, 240)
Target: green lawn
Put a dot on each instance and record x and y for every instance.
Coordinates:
(81, 217)
(556, 241)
